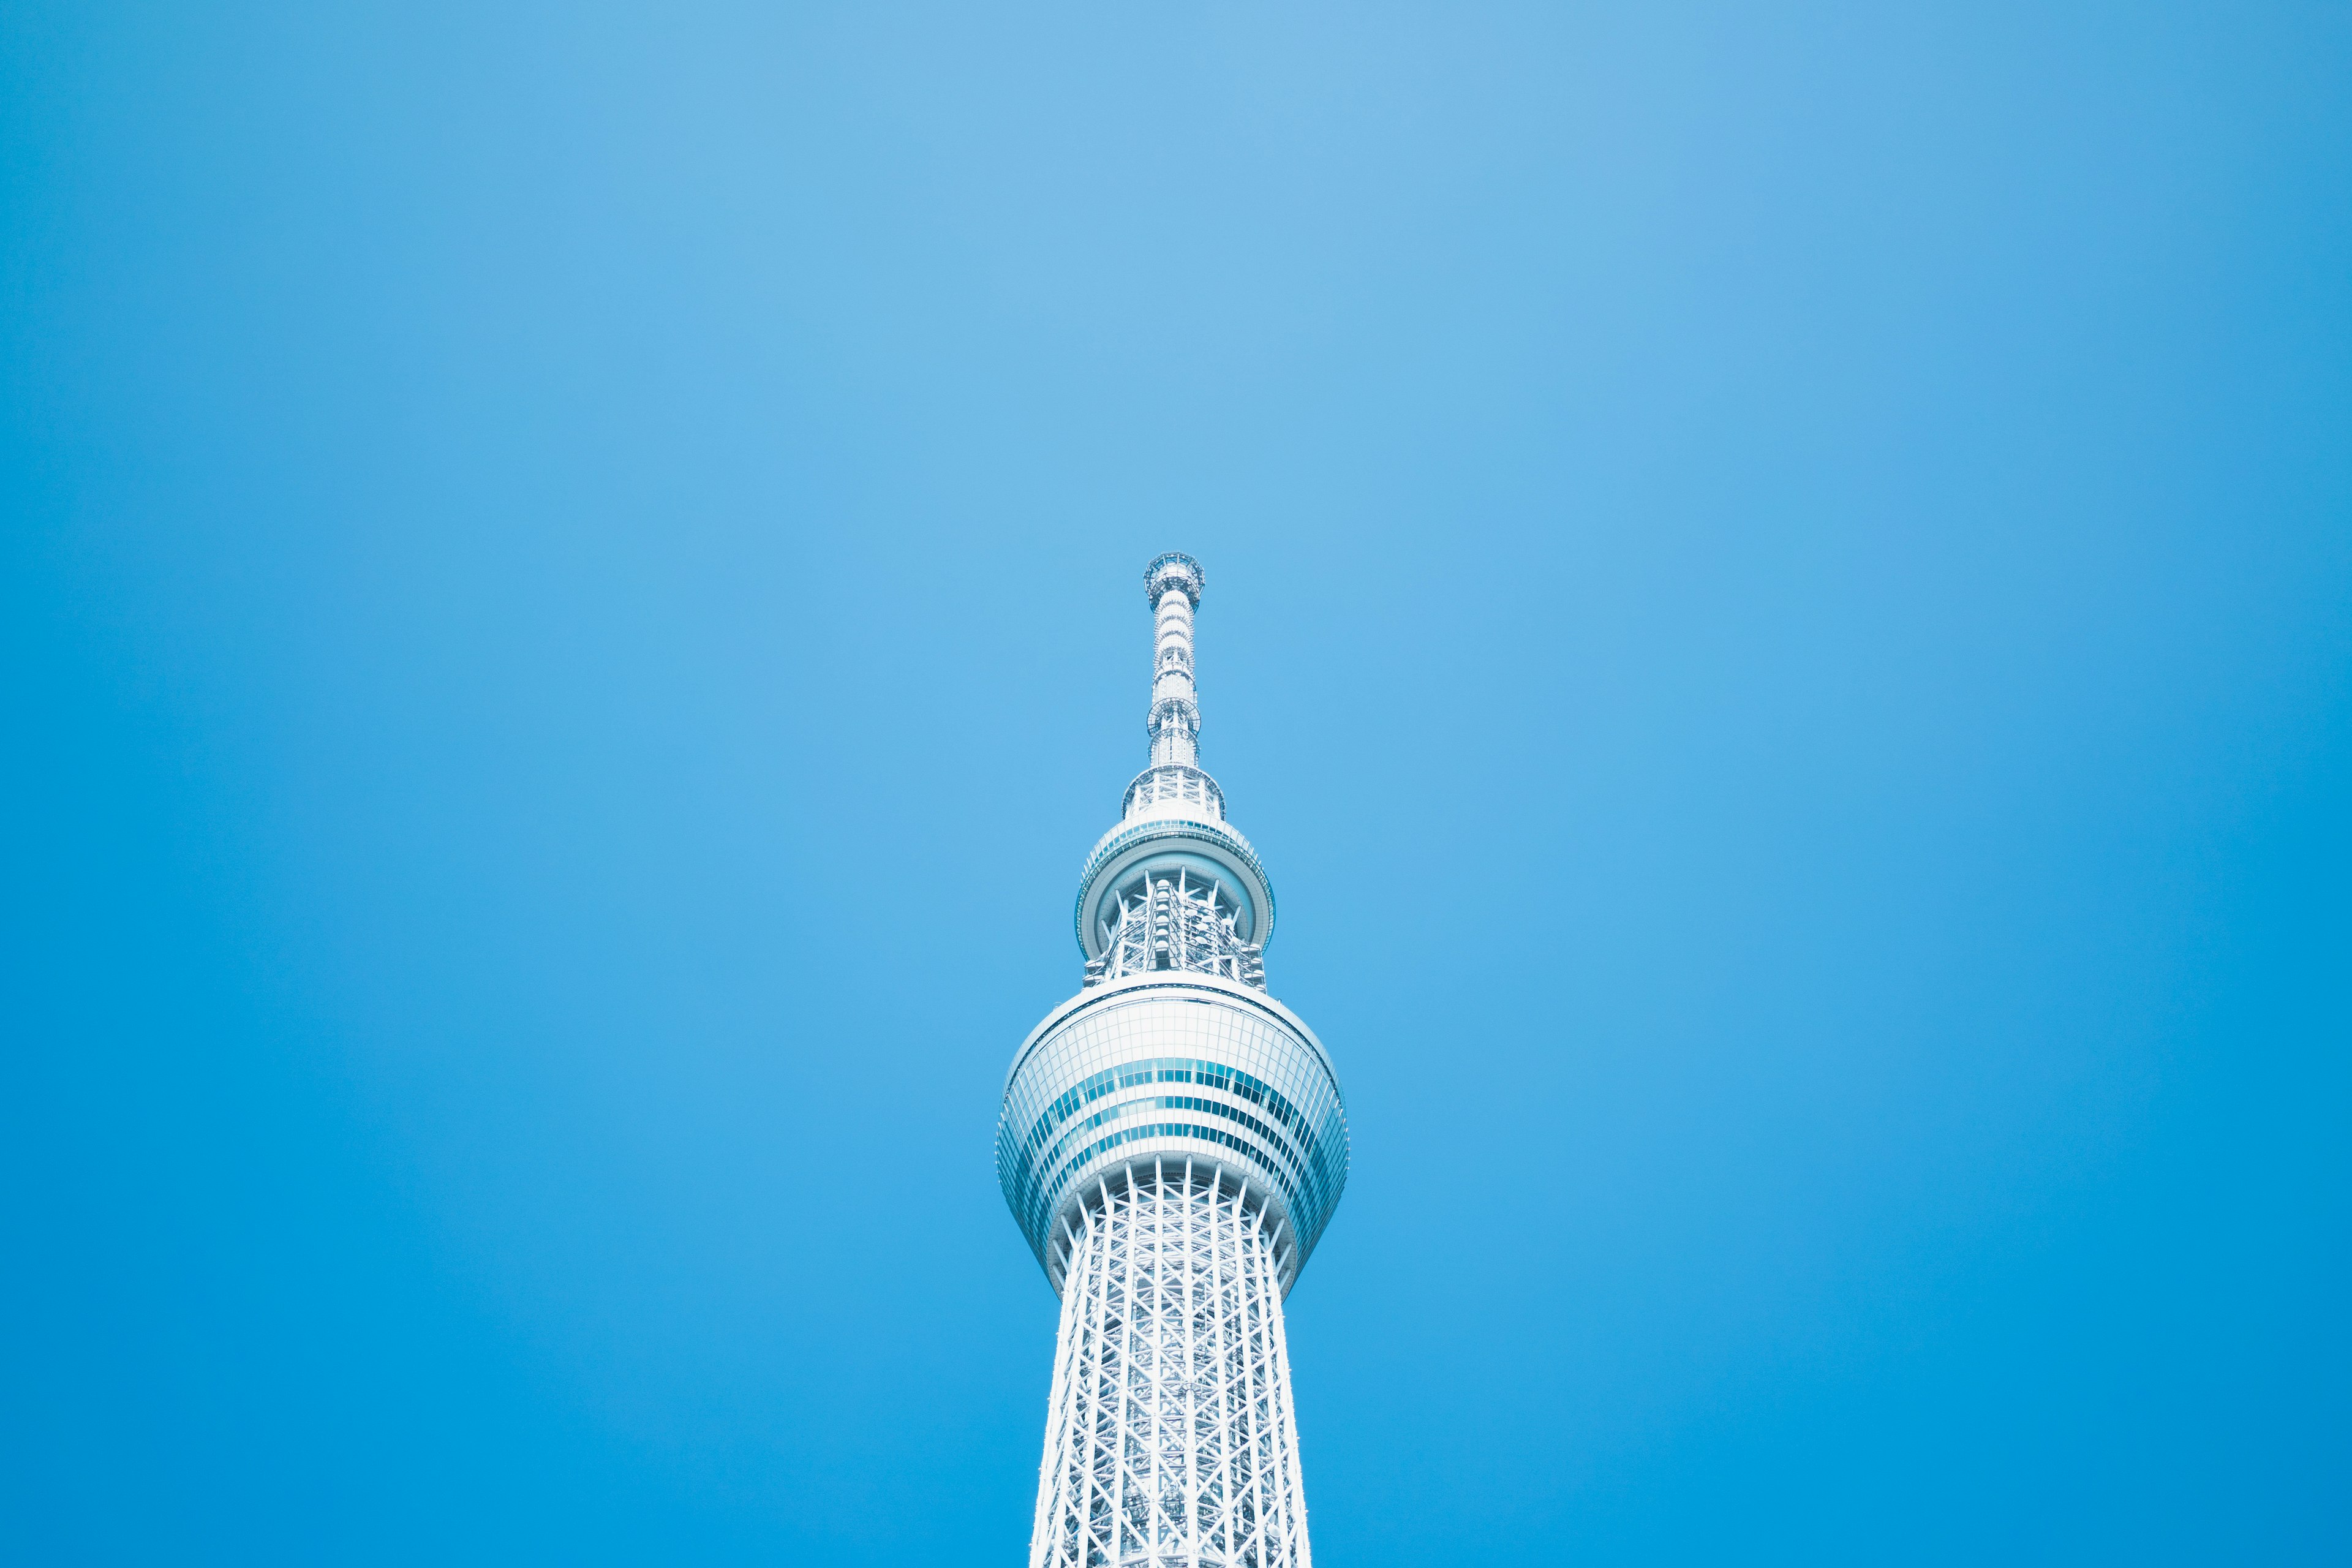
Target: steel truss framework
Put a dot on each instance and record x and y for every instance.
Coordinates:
(1169, 1442)
(1179, 922)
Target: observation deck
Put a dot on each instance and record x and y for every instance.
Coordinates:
(1176, 1070)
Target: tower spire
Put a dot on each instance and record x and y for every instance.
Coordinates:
(1172, 585)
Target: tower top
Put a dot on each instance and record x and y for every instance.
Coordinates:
(1172, 842)
(1173, 917)
(1173, 570)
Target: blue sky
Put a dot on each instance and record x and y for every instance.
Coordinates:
(1779, 607)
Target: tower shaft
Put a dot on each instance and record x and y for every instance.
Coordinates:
(1170, 1439)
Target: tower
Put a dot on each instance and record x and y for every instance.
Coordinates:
(1172, 1143)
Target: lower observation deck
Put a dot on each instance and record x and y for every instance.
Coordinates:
(1172, 1066)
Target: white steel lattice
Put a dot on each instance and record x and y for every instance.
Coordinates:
(1169, 1441)
(1178, 922)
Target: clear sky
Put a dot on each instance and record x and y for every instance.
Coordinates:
(1779, 607)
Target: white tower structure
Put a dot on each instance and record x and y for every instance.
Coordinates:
(1172, 1143)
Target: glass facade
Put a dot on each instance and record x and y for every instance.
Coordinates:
(1095, 1090)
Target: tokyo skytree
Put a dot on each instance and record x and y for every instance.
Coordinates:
(1172, 1143)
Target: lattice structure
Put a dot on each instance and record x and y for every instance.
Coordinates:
(1170, 1439)
(1177, 785)
(1177, 922)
